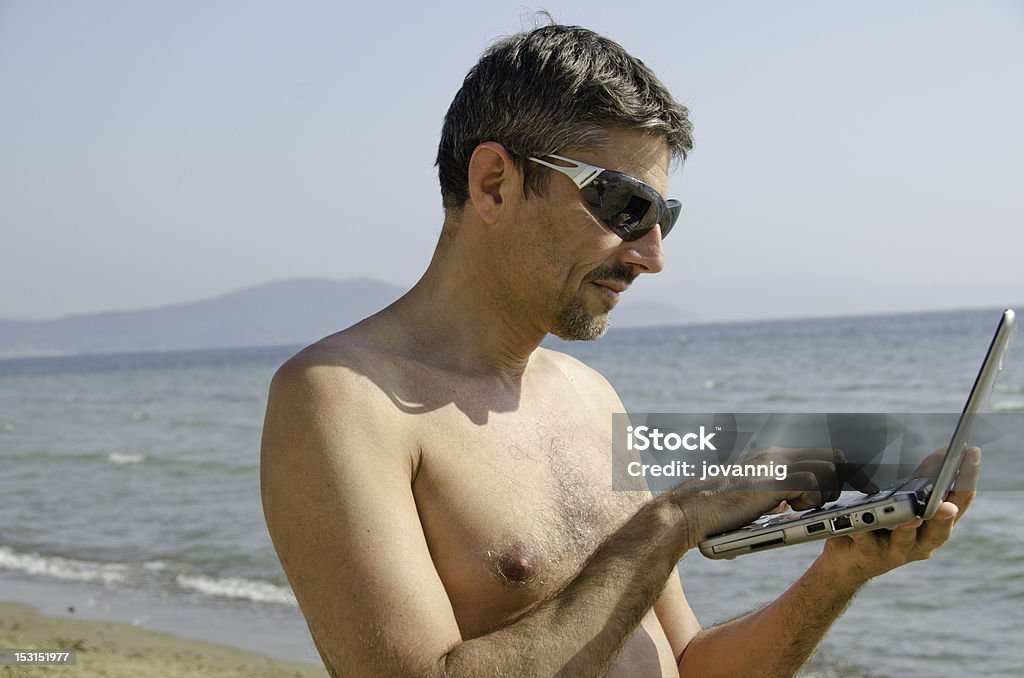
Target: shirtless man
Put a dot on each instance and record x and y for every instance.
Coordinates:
(437, 486)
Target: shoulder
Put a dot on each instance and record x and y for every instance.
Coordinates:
(336, 398)
(588, 382)
(364, 363)
(336, 374)
(336, 366)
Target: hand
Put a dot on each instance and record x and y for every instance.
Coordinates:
(859, 556)
(814, 476)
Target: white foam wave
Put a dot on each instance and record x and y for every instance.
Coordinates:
(62, 568)
(255, 590)
(118, 458)
(1008, 406)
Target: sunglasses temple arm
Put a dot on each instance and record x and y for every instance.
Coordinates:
(581, 174)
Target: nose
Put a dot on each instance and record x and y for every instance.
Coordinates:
(645, 253)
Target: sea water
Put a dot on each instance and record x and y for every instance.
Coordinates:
(129, 484)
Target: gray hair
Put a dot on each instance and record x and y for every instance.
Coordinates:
(553, 88)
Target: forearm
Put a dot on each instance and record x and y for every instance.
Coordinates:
(580, 630)
(776, 640)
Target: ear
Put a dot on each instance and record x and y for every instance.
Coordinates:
(491, 169)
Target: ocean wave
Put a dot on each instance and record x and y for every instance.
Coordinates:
(118, 458)
(779, 398)
(7, 427)
(1008, 406)
(256, 590)
(187, 424)
(232, 397)
(149, 574)
(51, 457)
(63, 568)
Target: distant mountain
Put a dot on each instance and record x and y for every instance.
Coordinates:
(286, 312)
(741, 297)
(295, 311)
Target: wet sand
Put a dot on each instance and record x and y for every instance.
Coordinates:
(123, 651)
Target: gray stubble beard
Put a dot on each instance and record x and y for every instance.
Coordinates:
(575, 323)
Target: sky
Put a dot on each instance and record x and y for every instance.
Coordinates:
(852, 156)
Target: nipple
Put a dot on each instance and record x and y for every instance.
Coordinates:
(516, 566)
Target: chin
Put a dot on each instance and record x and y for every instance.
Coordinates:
(574, 323)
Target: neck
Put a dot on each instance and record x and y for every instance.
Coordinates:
(463, 317)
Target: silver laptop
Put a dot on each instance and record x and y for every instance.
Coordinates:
(892, 506)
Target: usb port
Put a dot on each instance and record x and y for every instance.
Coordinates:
(815, 527)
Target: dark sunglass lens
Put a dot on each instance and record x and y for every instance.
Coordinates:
(630, 208)
(632, 216)
(616, 200)
(605, 195)
(674, 207)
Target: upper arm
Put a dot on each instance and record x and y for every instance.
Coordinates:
(336, 477)
(675, 616)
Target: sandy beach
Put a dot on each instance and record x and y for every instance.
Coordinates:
(124, 651)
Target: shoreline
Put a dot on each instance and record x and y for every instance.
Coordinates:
(274, 631)
(118, 650)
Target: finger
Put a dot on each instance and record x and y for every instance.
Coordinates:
(802, 491)
(806, 500)
(858, 479)
(947, 511)
(929, 466)
(903, 538)
(853, 473)
(825, 478)
(967, 479)
(845, 470)
(793, 455)
(935, 532)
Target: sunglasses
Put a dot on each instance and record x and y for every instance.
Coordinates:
(627, 206)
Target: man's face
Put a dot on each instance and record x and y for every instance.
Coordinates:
(584, 267)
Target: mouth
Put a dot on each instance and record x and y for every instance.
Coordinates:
(610, 281)
(611, 288)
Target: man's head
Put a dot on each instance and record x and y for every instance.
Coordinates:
(554, 88)
(534, 101)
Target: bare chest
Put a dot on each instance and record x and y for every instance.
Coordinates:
(511, 510)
